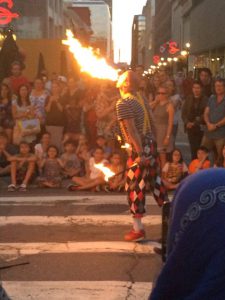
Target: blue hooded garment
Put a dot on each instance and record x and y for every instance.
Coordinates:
(195, 266)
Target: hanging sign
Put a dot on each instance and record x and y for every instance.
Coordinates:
(156, 59)
(170, 47)
(173, 47)
(6, 15)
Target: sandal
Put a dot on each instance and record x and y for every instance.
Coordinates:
(11, 188)
(23, 187)
(72, 187)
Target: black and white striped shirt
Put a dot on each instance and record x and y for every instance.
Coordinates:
(130, 108)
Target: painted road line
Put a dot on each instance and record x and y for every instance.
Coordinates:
(76, 200)
(20, 249)
(77, 290)
(106, 220)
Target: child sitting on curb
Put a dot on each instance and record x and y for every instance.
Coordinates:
(94, 177)
(22, 168)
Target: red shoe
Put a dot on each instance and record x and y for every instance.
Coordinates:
(134, 236)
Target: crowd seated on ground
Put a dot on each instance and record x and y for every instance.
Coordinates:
(53, 131)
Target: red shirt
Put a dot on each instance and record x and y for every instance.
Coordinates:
(16, 82)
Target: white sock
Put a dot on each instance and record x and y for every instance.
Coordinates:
(137, 224)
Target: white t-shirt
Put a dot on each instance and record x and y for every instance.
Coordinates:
(39, 152)
(94, 172)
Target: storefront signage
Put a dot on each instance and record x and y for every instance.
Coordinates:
(6, 14)
(156, 59)
(170, 47)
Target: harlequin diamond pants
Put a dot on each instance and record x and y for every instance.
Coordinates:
(138, 176)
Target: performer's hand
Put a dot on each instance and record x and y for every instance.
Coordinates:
(140, 160)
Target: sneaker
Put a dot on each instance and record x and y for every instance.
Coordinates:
(23, 187)
(98, 188)
(134, 236)
(11, 188)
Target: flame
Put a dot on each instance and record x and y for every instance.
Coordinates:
(119, 139)
(106, 171)
(126, 146)
(95, 66)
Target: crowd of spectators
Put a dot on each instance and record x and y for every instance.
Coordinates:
(53, 131)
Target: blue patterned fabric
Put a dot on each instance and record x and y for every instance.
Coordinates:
(195, 267)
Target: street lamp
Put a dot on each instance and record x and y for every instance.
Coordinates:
(188, 45)
(186, 53)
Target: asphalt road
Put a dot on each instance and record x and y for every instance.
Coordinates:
(66, 240)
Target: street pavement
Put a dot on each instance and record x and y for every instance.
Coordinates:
(72, 247)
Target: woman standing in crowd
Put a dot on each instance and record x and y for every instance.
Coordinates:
(193, 117)
(104, 110)
(163, 115)
(90, 118)
(73, 111)
(221, 160)
(154, 87)
(55, 116)
(38, 98)
(6, 118)
(176, 100)
(22, 111)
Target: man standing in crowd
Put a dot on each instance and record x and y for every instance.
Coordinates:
(188, 83)
(193, 117)
(205, 77)
(214, 117)
(136, 126)
(16, 79)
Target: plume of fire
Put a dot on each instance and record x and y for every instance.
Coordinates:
(119, 139)
(106, 171)
(126, 146)
(90, 63)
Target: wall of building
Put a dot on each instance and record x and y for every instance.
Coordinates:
(208, 25)
(39, 19)
(177, 24)
(96, 14)
(148, 36)
(163, 19)
(138, 40)
(51, 52)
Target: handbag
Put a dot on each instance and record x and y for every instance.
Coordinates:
(29, 126)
